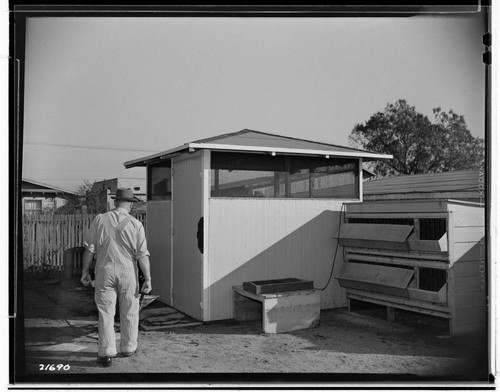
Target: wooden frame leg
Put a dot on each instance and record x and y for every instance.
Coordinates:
(391, 314)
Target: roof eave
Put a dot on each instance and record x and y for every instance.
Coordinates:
(161, 155)
(329, 153)
(367, 156)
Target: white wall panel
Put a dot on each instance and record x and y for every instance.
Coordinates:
(187, 269)
(158, 232)
(256, 239)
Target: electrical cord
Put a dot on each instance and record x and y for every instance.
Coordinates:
(336, 248)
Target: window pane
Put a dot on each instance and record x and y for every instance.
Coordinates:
(259, 175)
(32, 206)
(300, 184)
(335, 181)
(160, 183)
(243, 183)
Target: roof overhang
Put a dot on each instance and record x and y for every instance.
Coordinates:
(191, 147)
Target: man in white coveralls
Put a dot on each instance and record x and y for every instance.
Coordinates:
(119, 243)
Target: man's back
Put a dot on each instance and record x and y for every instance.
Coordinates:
(116, 235)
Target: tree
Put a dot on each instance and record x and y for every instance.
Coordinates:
(85, 200)
(417, 145)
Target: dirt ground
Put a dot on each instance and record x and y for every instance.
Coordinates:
(61, 330)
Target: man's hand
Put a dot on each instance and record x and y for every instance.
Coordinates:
(146, 287)
(86, 279)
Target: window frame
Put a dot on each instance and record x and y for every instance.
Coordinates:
(149, 186)
(287, 161)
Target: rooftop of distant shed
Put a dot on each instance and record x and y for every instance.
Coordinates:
(457, 181)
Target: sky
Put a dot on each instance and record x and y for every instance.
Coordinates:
(102, 91)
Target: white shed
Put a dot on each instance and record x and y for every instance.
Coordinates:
(246, 206)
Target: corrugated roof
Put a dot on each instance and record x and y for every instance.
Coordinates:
(256, 141)
(457, 181)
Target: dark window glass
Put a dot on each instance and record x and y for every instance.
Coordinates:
(159, 183)
(32, 206)
(259, 175)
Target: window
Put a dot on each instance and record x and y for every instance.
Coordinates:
(160, 182)
(259, 175)
(32, 206)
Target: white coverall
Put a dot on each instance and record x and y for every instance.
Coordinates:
(118, 240)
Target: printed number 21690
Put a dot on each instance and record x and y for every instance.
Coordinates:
(52, 367)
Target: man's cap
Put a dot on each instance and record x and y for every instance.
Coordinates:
(125, 195)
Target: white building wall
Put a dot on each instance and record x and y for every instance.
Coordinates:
(258, 239)
(158, 232)
(187, 258)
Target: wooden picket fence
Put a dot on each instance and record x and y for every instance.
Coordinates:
(47, 236)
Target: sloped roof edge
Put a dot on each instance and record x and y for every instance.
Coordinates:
(210, 143)
(50, 187)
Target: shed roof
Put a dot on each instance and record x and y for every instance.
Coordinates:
(456, 181)
(36, 187)
(121, 182)
(248, 140)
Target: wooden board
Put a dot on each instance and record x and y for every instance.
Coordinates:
(398, 207)
(470, 299)
(375, 235)
(400, 301)
(245, 309)
(278, 285)
(400, 254)
(466, 215)
(430, 296)
(389, 301)
(469, 268)
(468, 234)
(374, 288)
(472, 251)
(468, 284)
(376, 274)
(440, 245)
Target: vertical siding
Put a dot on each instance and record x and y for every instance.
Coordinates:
(158, 232)
(467, 279)
(187, 269)
(468, 232)
(255, 239)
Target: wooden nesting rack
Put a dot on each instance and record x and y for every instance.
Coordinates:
(424, 256)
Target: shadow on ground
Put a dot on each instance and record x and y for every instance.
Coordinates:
(61, 328)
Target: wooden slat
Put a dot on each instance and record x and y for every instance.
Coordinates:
(467, 285)
(399, 301)
(468, 268)
(373, 288)
(405, 207)
(440, 245)
(389, 302)
(470, 316)
(468, 216)
(397, 261)
(46, 237)
(375, 235)
(431, 296)
(400, 215)
(376, 274)
(464, 300)
(469, 233)
(400, 254)
(468, 251)
(375, 232)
